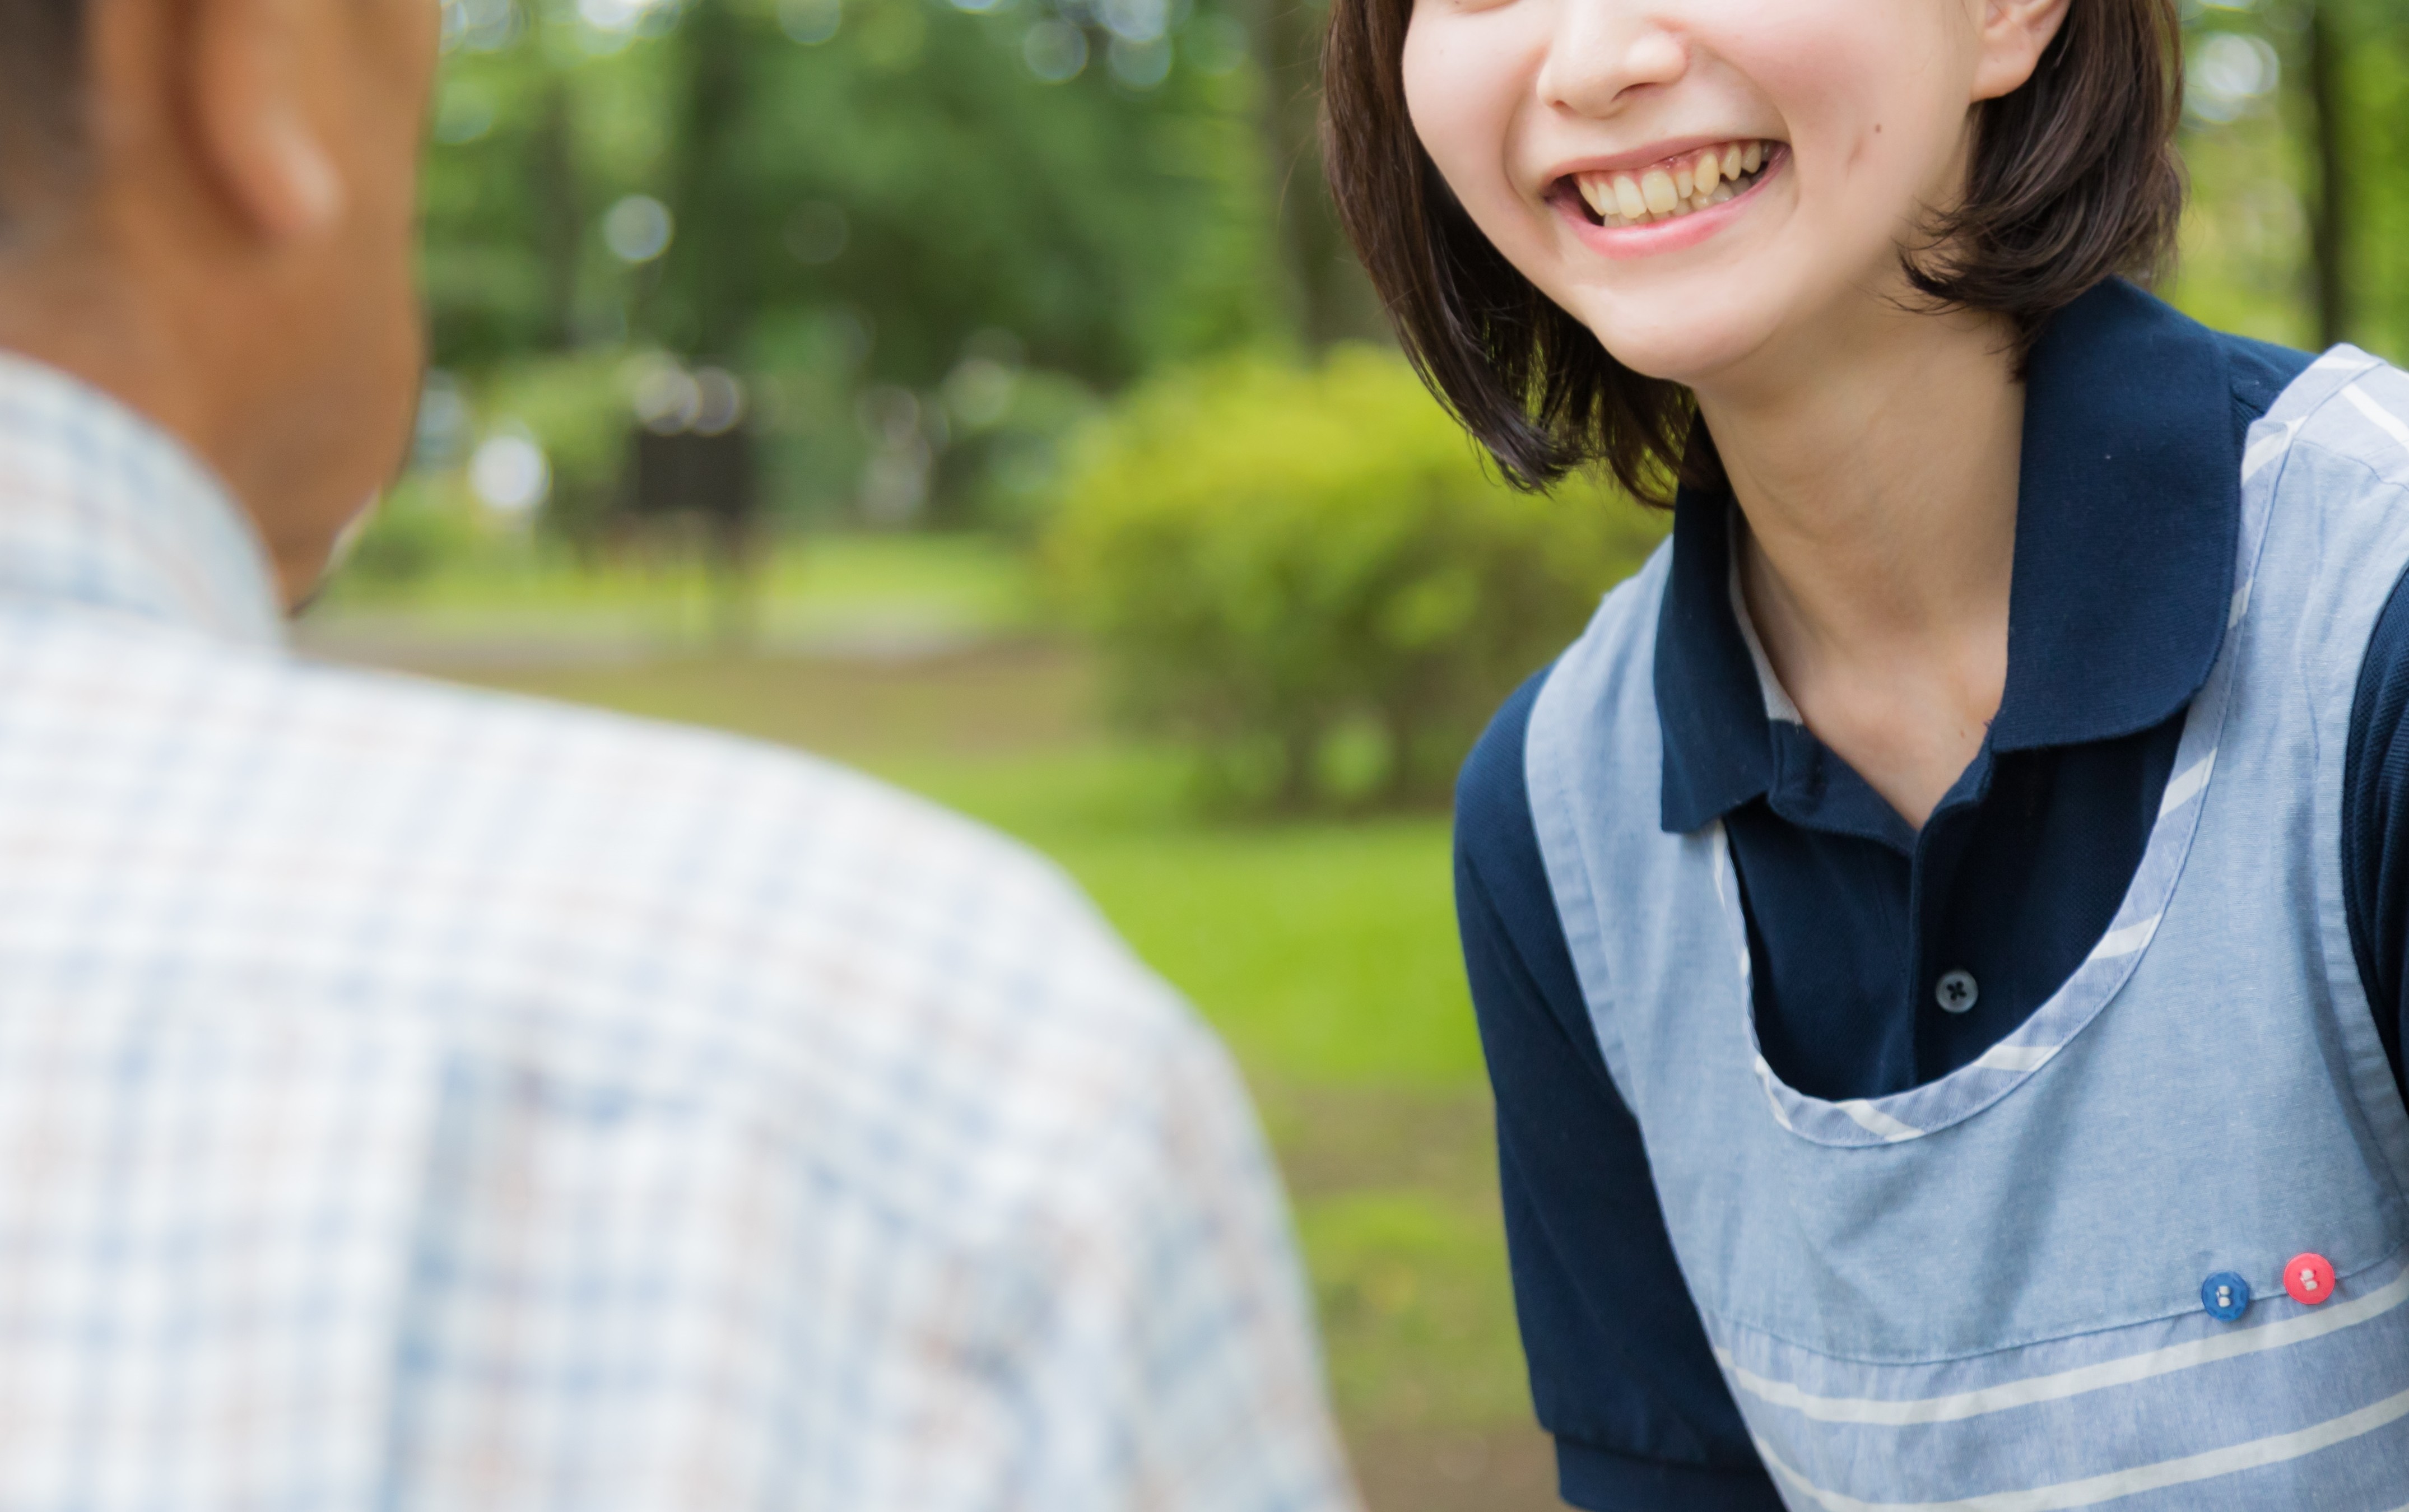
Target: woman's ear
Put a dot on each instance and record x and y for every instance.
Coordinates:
(2013, 35)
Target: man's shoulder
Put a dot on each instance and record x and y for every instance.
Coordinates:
(576, 877)
(676, 807)
(569, 792)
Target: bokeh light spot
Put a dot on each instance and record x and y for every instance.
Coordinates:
(638, 229)
(509, 474)
(1055, 50)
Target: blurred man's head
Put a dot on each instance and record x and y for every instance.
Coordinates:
(206, 208)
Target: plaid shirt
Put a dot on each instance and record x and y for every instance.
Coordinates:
(411, 1098)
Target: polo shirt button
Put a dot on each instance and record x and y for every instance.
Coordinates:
(2309, 1278)
(1958, 992)
(2226, 1296)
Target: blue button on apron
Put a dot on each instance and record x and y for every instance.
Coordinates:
(2226, 1296)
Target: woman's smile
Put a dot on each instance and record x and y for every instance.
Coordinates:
(1720, 190)
(1675, 202)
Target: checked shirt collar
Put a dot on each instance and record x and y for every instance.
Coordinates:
(99, 508)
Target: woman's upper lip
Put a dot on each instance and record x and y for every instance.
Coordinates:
(1643, 157)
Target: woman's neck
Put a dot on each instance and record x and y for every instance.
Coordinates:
(1877, 479)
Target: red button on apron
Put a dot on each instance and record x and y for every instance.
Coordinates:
(2309, 1278)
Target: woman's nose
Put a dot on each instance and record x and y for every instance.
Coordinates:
(1604, 50)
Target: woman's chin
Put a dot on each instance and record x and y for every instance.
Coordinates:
(1686, 354)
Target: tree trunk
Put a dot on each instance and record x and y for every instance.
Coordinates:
(1329, 297)
(710, 259)
(561, 212)
(2330, 228)
(1300, 749)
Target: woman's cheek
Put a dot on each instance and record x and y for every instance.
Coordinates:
(1864, 90)
(1460, 92)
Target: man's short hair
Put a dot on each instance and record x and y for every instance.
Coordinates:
(2074, 179)
(41, 71)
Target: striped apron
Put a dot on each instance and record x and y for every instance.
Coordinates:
(2083, 1271)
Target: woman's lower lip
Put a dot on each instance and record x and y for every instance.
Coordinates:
(1629, 241)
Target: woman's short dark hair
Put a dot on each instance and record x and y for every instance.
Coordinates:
(41, 74)
(2074, 179)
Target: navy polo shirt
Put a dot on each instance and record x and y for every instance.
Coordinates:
(1861, 926)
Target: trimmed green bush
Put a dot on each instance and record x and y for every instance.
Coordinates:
(1312, 578)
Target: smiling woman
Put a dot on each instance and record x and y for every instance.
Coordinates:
(1841, 908)
(2064, 180)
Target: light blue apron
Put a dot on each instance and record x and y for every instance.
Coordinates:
(1987, 1292)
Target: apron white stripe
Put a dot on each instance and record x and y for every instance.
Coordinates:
(2018, 1057)
(1900, 1413)
(1874, 1120)
(2192, 1468)
(1772, 1094)
(2384, 420)
(2256, 460)
(2125, 941)
(2188, 783)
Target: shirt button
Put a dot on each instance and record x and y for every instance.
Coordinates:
(2309, 1278)
(2226, 1296)
(1958, 992)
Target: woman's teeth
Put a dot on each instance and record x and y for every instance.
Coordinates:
(1671, 190)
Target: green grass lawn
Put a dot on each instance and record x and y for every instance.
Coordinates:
(821, 590)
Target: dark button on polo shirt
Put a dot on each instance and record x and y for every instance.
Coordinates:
(2125, 529)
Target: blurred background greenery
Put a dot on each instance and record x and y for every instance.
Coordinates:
(1085, 495)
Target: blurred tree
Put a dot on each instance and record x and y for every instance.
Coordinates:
(861, 199)
(2294, 118)
(709, 279)
(2329, 239)
(2369, 57)
(927, 169)
(561, 211)
(2351, 119)
(1330, 298)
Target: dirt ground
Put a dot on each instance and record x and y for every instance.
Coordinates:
(1503, 1470)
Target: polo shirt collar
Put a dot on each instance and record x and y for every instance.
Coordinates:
(2126, 520)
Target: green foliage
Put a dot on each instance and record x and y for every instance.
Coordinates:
(2252, 235)
(875, 206)
(578, 408)
(419, 530)
(2374, 88)
(1106, 228)
(1004, 469)
(894, 161)
(1271, 559)
(575, 408)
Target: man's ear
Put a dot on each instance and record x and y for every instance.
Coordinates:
(249, 106)
(2013, 35)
